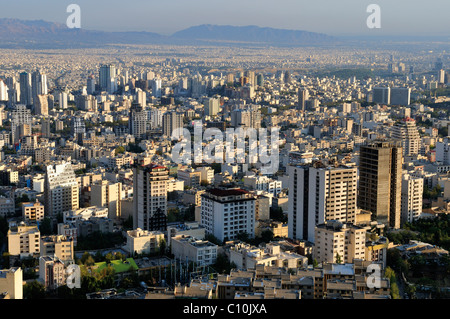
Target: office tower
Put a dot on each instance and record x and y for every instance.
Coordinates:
(107, 194)
(107, 73)
(3, 91)
(335, 240)
(212, 106)
(226, 213)
(60, 189)
(318, 193)
(171, 121)
(412, 198)
(138, 121)
(91, 84)
(380, 174)
(400, 96)
(303, 96)
(156, 87)
(382, 95)
(41, 105)
(441, 76)
(150, 197)
(38, 84)
(406, 132)
(25, 89)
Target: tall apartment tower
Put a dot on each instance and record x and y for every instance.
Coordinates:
(41, 105)
(406, 131)
(303, 96)
(171, 121)
(319, 193)
(138, 119)
(20, 115)
(60, 189)
(380, 181)
(412, 198)
(150, 197)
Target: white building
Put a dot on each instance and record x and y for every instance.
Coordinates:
(188, 248)
(60, 189)
(225, 213)
(412, 197)
(263, 183)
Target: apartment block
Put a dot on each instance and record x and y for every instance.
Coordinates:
(23, 240)
(225, 213)
(338, 242)
(59, 246)
(188, 248)
(52, 272)
(33, 211)
(107, 194)
(11, 282)
(412, 198)
(143, 241)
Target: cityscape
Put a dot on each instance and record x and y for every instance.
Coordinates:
(229, 163)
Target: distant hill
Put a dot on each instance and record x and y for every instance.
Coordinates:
(39, 33)
(251, 34)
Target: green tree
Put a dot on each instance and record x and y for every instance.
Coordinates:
(33, 290)
(338, 258)
(162, 246)
(119, 150)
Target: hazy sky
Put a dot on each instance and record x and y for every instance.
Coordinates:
(334, 17)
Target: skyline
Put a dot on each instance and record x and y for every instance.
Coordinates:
(346, 18)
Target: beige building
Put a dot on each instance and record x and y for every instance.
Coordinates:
(23, 240)
(107, 194)
(248, 257)
(190, 177)
(192, 229)
(11, 282)
(336, 241)
(33, 211)
(58, 246)
(143, 241)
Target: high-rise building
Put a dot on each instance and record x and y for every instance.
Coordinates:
(226, 213)
(107, 72)
(212, 106)
(246, 118)
(318, 193)
(91, 84)
(171, 121)
(25, 89)
(41, 104)
(156, 87)
(3, 91)
(38, 84)
(406, 132)
(441, 76)
(400, 96)
(150, 197)
(107, 194)
(412, 198)
(380, 181)
(382, 95)
(20, 116)
(60, 189)
(138, 121)
(303, 96)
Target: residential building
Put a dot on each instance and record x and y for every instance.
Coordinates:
(407, 133)
(143, 241)
(412, 198)
(33, 211)
(107, 194)
(23, 240)
(11, 282)
(380, 175)
(150, 197)
(52, 272)
(337, 242)
(60, 189)
(225, 213)
(188, 248)
(59, 246)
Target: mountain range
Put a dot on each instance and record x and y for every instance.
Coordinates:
(38, 33)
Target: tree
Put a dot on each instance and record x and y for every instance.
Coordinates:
(162, 246)
(33, 290)
(338, 258)
(119, 150)
(46, 227)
